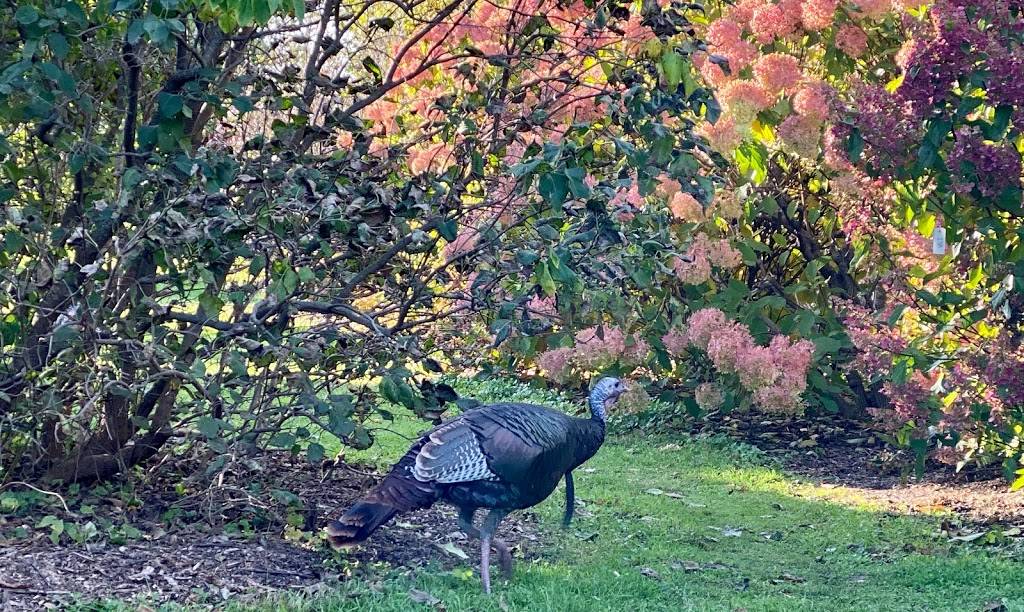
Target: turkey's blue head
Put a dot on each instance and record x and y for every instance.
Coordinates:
(604, 394)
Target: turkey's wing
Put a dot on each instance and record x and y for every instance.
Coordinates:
(452, 453)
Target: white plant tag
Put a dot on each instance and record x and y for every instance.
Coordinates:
(939, 241)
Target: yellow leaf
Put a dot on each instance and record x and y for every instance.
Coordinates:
(1019, 483)
(762, 132)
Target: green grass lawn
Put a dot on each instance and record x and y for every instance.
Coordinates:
(700, 525)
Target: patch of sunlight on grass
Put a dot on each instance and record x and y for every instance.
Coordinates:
(688, 524)
(699, 525)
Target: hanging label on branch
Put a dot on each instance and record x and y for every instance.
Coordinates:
(939, 241)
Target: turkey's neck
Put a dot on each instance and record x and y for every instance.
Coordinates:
(596, 404)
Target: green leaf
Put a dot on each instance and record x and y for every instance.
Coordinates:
(577, 182)
(315, 452)
(449, 230)
(896, 314)
(237, 364)
(66, 336)
(56, 526)
(169, 105)
(553, 188)
(526, 167)
(372, 67)
(1000, 122)
(824, 345)
(282, 439)
(290, 281)
(930, 298)
(26, 14)
(672, 64)
(157, 29)
(58, 44)
(388, 387)
(527, 257)
(855, 145)
(257, 264)
(211, 304)
(543, 278)
(547, 232)
(209, 427)
(262, 11)
(502, 329)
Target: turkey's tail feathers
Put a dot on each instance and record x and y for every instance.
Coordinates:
(399, 492)
(359, 522)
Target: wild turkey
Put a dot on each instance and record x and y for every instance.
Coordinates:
(503, 457)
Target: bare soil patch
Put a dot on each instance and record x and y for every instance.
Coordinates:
(199, 561)
(838, 452)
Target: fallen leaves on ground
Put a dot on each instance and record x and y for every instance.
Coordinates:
(454, 550)
(423, 597)
(693, 566)
(788, 578)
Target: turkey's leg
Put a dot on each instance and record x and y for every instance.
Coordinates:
(570, 500)
(485, 563)
(466, 522)
(504, 553)
(487, 530)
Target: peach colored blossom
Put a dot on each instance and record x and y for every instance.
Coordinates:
(685, 207)
(852, 40)
(811, 100)
(777, 72)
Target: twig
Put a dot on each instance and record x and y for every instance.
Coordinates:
(38, 490)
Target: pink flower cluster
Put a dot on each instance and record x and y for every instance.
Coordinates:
(750, 33)
(744, 99)
(812, 100)
(723, 135)
(694, 272)
(675, 342)
(852, 40)
(876, 347)
(725, 36)
(777, 72)
(543, 306)
(872, 9)
(722, 254)
(556, 363)
(431, 157)
(774, 375)
(706, 253)
(801, 133)
(818, 14)
(908, 402)
(686, 208)
(771, 21)
(594, 348)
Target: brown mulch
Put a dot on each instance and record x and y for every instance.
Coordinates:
(846, 453)
(199, 563)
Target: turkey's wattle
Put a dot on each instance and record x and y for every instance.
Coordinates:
(502, 457)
